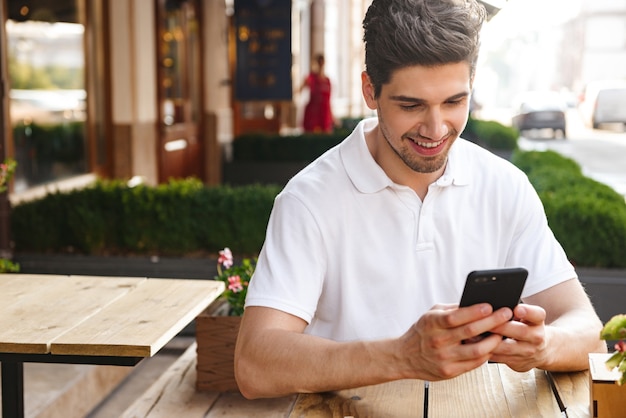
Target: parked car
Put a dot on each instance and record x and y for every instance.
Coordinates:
(604, 102)
(541, 110)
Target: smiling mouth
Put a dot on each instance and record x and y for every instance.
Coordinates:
(427, 144)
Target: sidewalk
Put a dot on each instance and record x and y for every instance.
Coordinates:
(140, 379)
(73, 390)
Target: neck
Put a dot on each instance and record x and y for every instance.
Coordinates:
(396, 169)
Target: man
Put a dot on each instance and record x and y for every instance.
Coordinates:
(368, 248)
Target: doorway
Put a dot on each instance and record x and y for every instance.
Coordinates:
(180, 144)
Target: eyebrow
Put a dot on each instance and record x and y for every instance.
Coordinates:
(417, 100)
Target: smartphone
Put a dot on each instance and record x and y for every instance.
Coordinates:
(498, 287)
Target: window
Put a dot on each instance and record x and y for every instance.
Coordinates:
(47, 95)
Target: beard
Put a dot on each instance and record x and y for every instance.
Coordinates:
(418, 163)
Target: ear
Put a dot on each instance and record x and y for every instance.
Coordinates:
(368, 91)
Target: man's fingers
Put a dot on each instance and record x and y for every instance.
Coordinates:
(530, 314)
(473, 321)
(459, 317)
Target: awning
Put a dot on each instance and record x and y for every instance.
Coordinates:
(492, 6)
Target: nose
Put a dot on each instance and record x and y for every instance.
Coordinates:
(434, 126)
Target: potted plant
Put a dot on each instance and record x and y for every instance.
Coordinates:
(216, 333)
(608, 372)
(236, 279)
(615, 329)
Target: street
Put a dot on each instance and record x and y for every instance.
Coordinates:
(600, 152)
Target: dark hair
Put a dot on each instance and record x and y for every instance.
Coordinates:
(402, 33)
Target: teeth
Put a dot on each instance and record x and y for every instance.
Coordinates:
(429, 144)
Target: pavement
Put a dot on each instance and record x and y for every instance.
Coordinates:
(45, 384)
(141, 378)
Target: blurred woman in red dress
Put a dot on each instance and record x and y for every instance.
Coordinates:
(318, 116)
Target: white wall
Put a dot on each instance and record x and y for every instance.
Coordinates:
(132, 67)
(605, 40)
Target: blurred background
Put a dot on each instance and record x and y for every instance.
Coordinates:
(551, 45)
(151, 90)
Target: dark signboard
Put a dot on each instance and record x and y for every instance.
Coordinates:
(263, 32)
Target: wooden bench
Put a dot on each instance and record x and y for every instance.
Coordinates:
(174, 395)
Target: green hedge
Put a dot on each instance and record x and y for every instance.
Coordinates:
(177, 218)
(276, 148)
(587, 217)
(307, 147)
(59, 142)
(184, 217)
(491, 134)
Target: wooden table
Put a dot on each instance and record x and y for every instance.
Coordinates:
(89, 320)
(493, 390)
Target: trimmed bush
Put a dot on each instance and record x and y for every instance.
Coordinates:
(491, 134)
(185, 217)
(176, 218)
(592, 231)
(262, 147)
(528, 161)
(587, 217)
(276, 148)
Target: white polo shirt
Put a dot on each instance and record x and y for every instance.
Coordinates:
(360, 257)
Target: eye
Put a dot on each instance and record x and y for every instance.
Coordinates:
(409, 107)
(455, 102)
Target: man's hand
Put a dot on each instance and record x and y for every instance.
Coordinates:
(434, 347)
(526, 345)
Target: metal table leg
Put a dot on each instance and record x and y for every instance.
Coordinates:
(12, 389)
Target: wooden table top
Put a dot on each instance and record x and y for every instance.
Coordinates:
(492, 390)
(97, 316)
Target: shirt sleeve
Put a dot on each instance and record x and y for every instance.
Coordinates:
(290, 270)
(536, 248)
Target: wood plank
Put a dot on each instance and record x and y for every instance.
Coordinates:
(234, 405)
(575, 393)
(143, 321)
(528, 394)
(36, 309)
(403, 398)
(478, 393)
(174, 394)
(83, 393)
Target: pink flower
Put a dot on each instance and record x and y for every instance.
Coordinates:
(234, 284)
(621, 346)
(225, 258)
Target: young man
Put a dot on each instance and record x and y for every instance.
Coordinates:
(368, 248)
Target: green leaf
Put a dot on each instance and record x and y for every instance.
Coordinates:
(614, 360)
(615, 328)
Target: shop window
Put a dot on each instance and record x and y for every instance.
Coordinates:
(47, 95)
(179, 89)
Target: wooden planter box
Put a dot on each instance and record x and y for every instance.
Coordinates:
(608, 399)
(216, 337)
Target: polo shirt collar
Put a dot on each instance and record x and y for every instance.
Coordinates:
(368, 177)
(457, 170)
(363, 171)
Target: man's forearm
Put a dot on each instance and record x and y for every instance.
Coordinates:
(283, 362)
(572, 337)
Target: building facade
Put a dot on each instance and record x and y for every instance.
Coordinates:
(145, 89)
(603, 28)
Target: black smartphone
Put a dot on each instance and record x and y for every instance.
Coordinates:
(498, 287)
